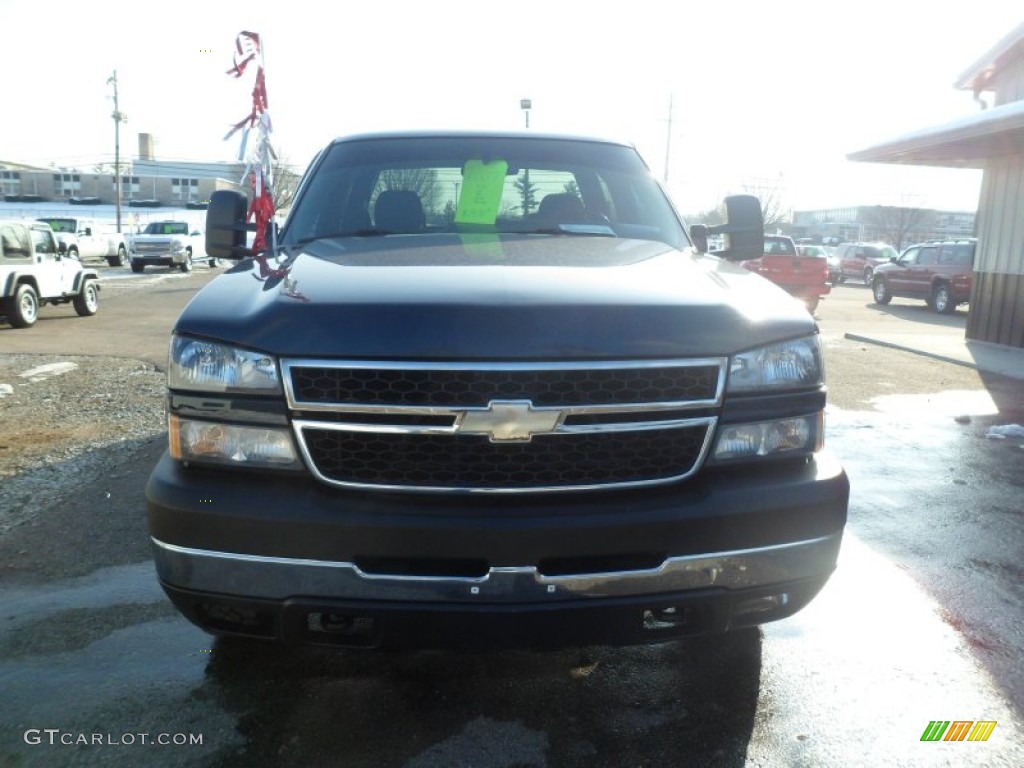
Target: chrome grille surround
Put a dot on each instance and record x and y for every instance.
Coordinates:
(498, 423)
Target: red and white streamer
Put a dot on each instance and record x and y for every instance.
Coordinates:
(256, 127)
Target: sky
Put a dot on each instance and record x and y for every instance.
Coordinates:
(732, 97)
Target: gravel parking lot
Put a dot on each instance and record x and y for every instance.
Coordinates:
(57, 413)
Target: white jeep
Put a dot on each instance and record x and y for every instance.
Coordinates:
(35, 270)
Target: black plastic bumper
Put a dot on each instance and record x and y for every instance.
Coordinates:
(282, 557)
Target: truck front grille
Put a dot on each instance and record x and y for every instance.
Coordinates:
(473, 387)
(465, 462)
(503, 427)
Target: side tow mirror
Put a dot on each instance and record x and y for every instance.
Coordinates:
(744, 229)
(225, 226)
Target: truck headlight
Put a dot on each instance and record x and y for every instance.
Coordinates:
(802, 434)
(793, 364)
(215, 443)
(177, 246)
(206, 366)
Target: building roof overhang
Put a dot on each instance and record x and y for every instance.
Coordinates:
(970, 142)
(980, 76)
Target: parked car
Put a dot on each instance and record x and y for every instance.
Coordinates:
(938, 273)
(83, 239)
(36, 270)
(803, 274)
(171, 244)
(810, 249)
(857, 261)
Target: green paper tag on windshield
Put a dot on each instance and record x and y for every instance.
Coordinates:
(482, 184)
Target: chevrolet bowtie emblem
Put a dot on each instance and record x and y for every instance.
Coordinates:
(508, 421)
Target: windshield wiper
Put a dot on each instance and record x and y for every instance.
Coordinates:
(599, 230)
(370, 232)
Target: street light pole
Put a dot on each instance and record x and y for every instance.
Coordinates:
(119, 118)
(525, 105)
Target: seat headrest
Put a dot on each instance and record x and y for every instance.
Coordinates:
(398, 210)
(561, 206)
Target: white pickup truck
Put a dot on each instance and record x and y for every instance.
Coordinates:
(83, 239)
(35, 270)
(167, 244)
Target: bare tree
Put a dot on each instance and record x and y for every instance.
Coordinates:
(711, 217)
(897, 225)
(286, 182)
(774, 209)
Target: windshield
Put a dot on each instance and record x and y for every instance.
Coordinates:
(884, 252)
(61, 225)
(406, 185)
(166, 228)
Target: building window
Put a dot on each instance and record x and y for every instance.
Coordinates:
(10, 182)
(129, 186)
(185, 189)
(67, 184)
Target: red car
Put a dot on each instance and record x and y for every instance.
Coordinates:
(803, 275)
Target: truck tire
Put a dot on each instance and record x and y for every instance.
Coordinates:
(23, 307)
(942, 300)
(119, 259)
(186, 265)
(881, 291)
(73, 253)
(869, 275)
(137, 267)
(88, 299)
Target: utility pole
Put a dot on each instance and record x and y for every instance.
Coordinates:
(119, 117)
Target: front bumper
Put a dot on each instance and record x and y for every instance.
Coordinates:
(159, 259)
(289, 559)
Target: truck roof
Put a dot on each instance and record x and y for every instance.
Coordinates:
(460, 133)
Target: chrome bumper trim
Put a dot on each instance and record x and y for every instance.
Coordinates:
(280, 578)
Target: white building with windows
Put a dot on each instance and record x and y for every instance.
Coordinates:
(145, 181)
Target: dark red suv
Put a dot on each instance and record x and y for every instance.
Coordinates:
(938, 273)
(857, 261)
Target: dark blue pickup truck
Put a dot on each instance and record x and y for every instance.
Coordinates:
(486, 389)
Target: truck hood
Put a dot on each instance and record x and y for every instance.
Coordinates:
(526, 297)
